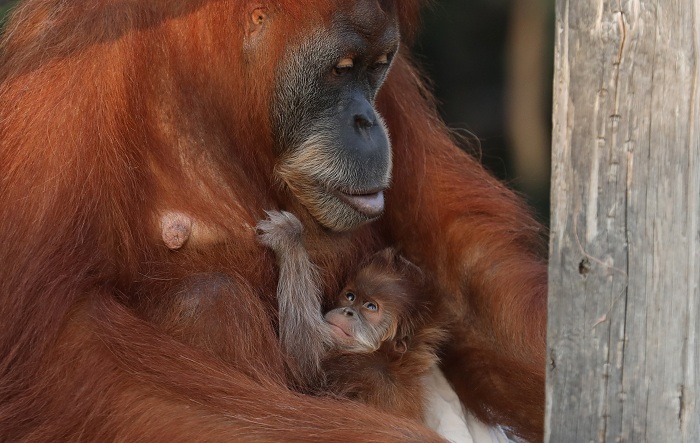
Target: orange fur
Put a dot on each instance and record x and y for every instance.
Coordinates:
(388, 380)
(484, 253)
(110, 111)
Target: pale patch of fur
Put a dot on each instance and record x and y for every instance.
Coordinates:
(369, 339)
(304, 333)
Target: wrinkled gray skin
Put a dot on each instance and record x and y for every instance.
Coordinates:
(334, 152)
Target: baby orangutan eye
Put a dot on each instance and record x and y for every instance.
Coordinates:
(350, 296)
(371, 306)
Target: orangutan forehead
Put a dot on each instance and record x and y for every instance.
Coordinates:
(370, 18)
(385, 285)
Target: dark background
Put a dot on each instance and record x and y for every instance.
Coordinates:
(490, 64)
(478, 53)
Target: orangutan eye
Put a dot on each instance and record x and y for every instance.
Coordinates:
(371, 306)
(380, 63)
(343, 67)
(350, 296)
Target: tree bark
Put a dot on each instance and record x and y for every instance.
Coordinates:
(623, 358)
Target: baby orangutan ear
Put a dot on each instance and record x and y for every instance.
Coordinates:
(401, 345)
(407, 268)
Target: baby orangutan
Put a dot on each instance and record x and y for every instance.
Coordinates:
(374, 345)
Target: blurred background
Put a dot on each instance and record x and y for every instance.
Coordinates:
(490, 62)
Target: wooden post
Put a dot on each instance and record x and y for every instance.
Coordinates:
(623, 357)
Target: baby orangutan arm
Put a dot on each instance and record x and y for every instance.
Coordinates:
(304, 334)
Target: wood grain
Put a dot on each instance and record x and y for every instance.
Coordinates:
(624, 267)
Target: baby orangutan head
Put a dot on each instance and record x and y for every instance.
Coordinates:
(380, 304)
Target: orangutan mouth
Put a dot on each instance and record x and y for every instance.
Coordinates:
(369, 204)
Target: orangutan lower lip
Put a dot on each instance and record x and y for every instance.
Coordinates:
(372, 204)
(339, 331)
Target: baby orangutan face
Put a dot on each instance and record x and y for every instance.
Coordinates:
(358, 323)
(363, 316)
(379, 305)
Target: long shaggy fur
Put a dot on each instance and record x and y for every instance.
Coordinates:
(303, 332)
(386, 379)
(114, 111)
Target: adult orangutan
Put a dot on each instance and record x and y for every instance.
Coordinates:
(114, 113)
